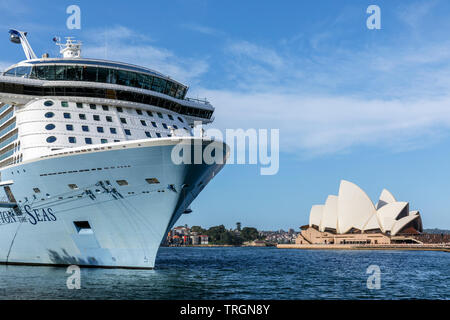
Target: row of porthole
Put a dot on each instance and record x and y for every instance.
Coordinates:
(52, 139)
(51, 115)
(50, 103)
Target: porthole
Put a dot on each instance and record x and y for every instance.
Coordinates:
(152, 180)
(49, 115)
(48, 103)
(122, 182)
(51, 139)
(50, 126)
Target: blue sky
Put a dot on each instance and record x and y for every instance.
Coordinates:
(369, 106)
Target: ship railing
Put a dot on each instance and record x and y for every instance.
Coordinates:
(198, 100)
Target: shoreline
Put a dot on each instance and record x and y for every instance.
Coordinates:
(218, 246)
(444, 248)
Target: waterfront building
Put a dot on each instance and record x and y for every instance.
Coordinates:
(183, 236)
(352, 218)
(204, 240)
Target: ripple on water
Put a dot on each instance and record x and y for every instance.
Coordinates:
(245, 273)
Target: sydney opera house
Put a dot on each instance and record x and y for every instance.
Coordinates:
(352, 218)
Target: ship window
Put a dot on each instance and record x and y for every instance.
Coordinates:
(150, 114)
(48, 103)
(181, 120)
(88, 140)
(64, 104)
(93, 106)
(122, 182)
(175, 126)
(119, 109)
(113, 130)
(83, 227)
(73, 186)
(152, 180)
(109, 119)
(79, 105)
(103, 75)
(105, 108)
(51, 139)
(170, 116)
(72, 140)
(123, 120)
(164, 126)
(127, 132)
(139, 112)
(50, 126)
(104, 140)
(160, 115)
(158, 135)
(143, 123)
(82, 116)
(66, 115)
(116, 140)
(148, 134)
(49, 115)
(36, 190)
(69, 127)
(154, 124)
(100, 129)
(96, 117)
(85, 128)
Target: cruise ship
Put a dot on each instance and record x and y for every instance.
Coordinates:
(86, 161)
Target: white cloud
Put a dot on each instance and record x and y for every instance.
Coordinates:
(4, 65)
(393, 96)
(202, 29)
(123, 44)
(257, 53)
(315, 125)
(413, 14)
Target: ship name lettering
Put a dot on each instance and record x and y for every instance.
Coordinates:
(39, 215)
(7, 217)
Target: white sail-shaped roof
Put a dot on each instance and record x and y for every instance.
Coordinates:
(315, 215)
(400, 224)
(372, 223)
(385, 197)
(389, 214)
(354, 207)
(330, 217)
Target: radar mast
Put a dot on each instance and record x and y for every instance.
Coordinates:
(70, 49)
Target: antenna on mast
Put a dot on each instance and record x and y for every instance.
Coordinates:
(70, 49)
(20, 37)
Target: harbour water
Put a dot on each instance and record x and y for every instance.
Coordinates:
(245, 273)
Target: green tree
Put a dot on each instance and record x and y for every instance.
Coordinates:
(198, 229)
(249, 234)
(214, 233)
(220, 235)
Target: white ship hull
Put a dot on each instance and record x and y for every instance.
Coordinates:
(125, 223)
